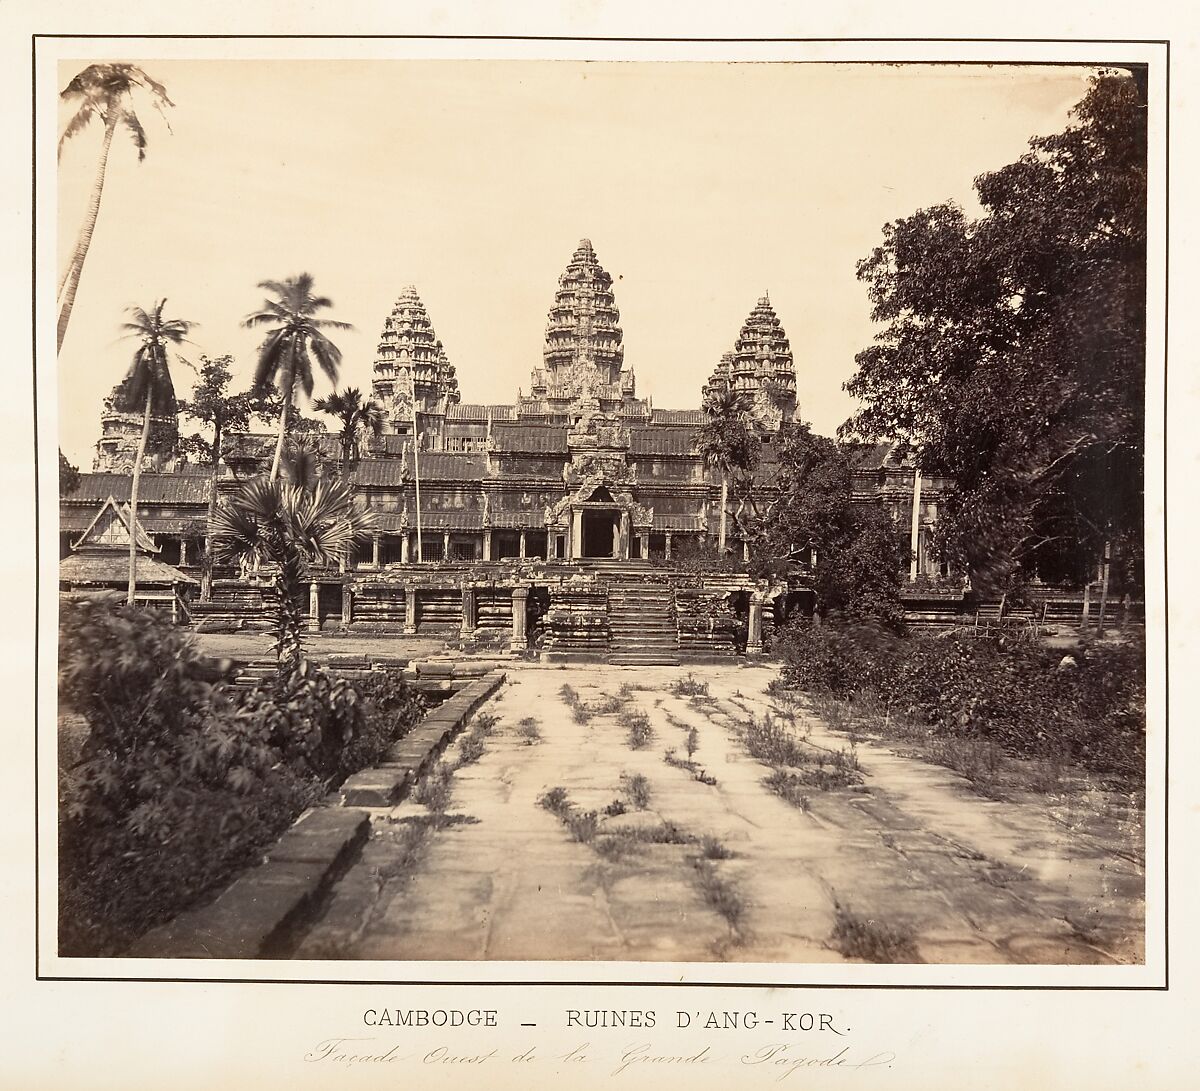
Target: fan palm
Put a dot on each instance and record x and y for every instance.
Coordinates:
(357, 416)
(103, 92)
(285, 356)
(146, 386)
(294, 529)
(725, 441)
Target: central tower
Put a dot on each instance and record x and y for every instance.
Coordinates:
(584, 356)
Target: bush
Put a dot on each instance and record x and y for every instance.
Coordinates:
(1012, 694)
(181, 781)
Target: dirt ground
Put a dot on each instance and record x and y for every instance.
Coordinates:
(843, 852)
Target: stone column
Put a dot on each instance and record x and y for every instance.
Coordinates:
(468, 611)
(347, 604)
(520, 598)
(522, 553)
(576, 541)
(375, 551)
(410, 610)
(623, 537)
(745, 551)
(549, 545)
(404, 547)
(643, 550)
(314, 607)
(754, 643)
(445, 545)
(182, 552)
(668, 546)
(1087, 606)
(487, 544)
(914, 564)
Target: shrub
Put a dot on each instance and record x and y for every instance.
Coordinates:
(872, 940)
(772, 743)
(689, 687)
(555, 801)
(181, 781)
(637, 790)
(527, 729)
(637, 723)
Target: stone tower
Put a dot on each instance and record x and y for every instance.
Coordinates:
(583, 356)
(411, 360)
(121, 432)
(761, 368)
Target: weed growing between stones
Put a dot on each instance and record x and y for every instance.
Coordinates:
(692, 743)
(770, 742)
(689, 687)
(712, 848)
(691, 767)
(636, 789)
(434, 791)
(721, 895)
(616, 807)
(527, 730)
(611, 703)
(871, 940)
(640, 733)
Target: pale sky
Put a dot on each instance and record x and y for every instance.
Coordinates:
(701, 185)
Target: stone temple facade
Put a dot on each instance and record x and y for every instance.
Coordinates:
(561, 514)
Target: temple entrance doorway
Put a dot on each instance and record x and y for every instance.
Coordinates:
(600, 531)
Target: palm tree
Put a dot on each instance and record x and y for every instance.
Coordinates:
(293, 528)
(357, 416)
(726, 441)
(148, 384)
(103, 92)
(284, 355)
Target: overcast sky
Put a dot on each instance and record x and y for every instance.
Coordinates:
(700, 185)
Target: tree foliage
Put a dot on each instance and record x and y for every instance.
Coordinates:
(1012, 354)
(358, 417)
(68, 475)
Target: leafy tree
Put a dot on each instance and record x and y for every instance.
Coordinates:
(68, 475)
(1012, 356)
(727, 443)
(806, 509)
(292, 528)
(147, 385)
(358, 417)
(220, 413)
(101, 92)
(295, 333)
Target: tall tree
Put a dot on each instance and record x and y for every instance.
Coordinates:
(295, 337)
(68, 475)
(292, 528)
(727, 442)
(358, 417)
(104, 93)
(1012, 354)
(147, 384)
(221, 413)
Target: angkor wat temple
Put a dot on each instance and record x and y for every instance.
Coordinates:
(553, 520)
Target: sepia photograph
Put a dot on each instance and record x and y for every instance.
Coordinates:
(600, 511)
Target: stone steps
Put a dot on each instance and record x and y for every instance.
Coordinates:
(641, 622)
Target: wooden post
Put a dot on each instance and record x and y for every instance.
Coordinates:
(520, 598)
(1104, 586)
(410, 610)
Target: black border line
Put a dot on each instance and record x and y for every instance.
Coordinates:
(845, 986)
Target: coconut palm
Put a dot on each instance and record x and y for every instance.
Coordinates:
(284, 357)
(147, 386)
(358, 418)
(726, 441)
(293, 528)
(102, 92)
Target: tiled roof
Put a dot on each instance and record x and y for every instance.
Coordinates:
(435, 466)
(872, 456)
(152, 489)
(513, 520)
(678, 522)
(112, 567)
(661, 440)
(534, 439)
(466, 411)
(693, 417)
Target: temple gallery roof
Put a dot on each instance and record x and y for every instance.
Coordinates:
(435, 466)
(113, 568)
(153, 489)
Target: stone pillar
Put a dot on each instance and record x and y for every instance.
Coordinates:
(623, 537)
(410, 610)
(1087, 606)
(668, 546)
(314, 607)
(404, 547)
(639, 546)
(914, 565)
(745, 551)
(522, 553)
(487, 544)
(375, 551)
(549, 545)
(468, 611)
(754, 643)
(520, 598)
(445, 545)
(576, 538)
(347, 605)
(182, 552)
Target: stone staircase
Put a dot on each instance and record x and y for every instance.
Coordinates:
(642, 626)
